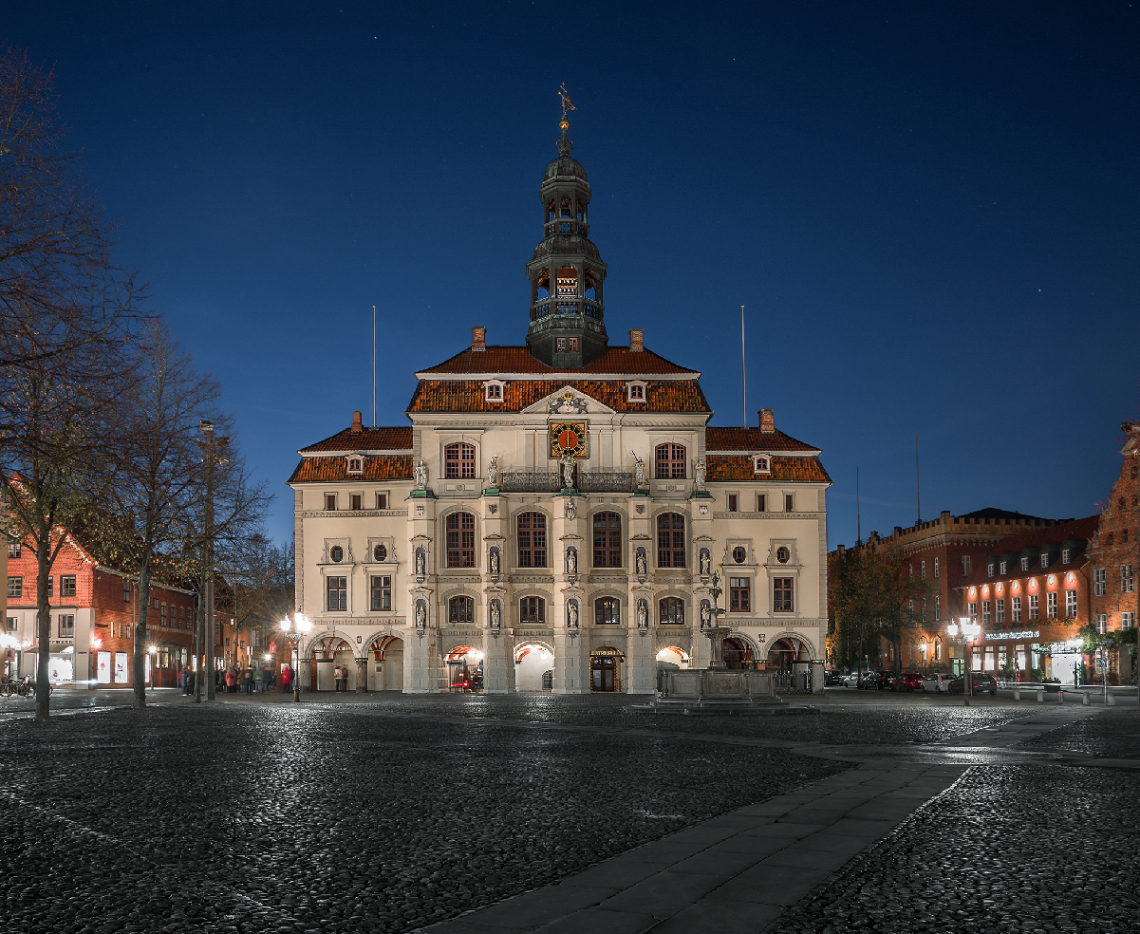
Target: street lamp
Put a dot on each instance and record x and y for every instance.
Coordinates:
(295, 628)
(965, 631)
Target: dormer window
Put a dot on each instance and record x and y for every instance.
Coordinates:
(1066, 555)
(635, 391)
(1025, 564)
(493, 390)
(1002, 568)
(355, 464)
(761, 463)
(1044, 559)
(990, 569)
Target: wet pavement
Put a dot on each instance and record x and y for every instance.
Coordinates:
(395, 813)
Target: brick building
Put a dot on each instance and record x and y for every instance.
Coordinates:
(94, 609)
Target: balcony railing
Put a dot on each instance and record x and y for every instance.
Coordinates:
(581, 307)
(564, 226)
(550, 481)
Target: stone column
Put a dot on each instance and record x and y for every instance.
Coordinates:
(570, 660)
(304, 674)
(362, 675)
(498, 662)
(641, 661)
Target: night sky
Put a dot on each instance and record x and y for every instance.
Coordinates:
(929, 211)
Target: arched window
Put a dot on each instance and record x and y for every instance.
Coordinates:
(532, 540)
(459, 461)
(670, 460)
(607, 612)
(607, 540)
(460, 540)
(532, 610)
(460, 610)
(672, 611)
(670, 540)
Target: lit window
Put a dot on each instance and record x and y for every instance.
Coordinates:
(532, 610)
(672, 611)
(460, 610)
(607, 612)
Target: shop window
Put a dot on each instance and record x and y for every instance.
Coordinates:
(671, 540)
(670, 461)
(381, 592)
(607, 540)
(532, 611)
(460, 530)
(783, 595)
(337, 593)
(607, 612)
(739, 589)
(460, 610)
(459, 461)
(532, 540)
(672, 611)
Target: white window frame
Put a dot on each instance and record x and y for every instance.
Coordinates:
(1070, 603)
(494, 391)
(1034, 606)
(1100, 582)
(1051, 605)
(1128, 619)
(1127, 579)
(1102, 623)
(1025, 563)
(936, 569)
(1015, 609)
(636, 391)
(761, 463)
(354, 464)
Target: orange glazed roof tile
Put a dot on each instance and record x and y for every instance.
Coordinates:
(376, 467)
(370, 439)
(752, 439)
(784, 469)
(499, 360)
(469, 395)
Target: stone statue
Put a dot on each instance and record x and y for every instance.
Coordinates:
(573, 621)
(706, 616)
(567, 472)
(494, 614)
(421, 564)
(493, 474)
(642, 615)
(419, 474)
(421, 617)
(571, 509)
(639, 563)
(494, 562)
(700, 474)
(638, 470)
(706, 563)
(571, 561)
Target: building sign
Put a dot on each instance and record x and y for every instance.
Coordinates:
(1013, 636)
(103, 668)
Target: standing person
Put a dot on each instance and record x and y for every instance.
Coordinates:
(247, 680)
(231, 680)
(339, 678)
(286, 678)
(258, 680)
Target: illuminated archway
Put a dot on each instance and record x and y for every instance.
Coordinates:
(533, 664)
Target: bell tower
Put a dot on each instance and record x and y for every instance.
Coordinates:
(567, 318)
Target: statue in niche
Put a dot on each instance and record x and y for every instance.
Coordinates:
(706, 616)
(419, 475)
(421, 564)
(573, 613)
(699, 474)
(639, 478)
(642, 615)
(567, 472)
(495, 614)
(640, 564)
(706, 564)
(571, 509)
(493, 474)
(571, 561)
(494, 563)
(421, 616)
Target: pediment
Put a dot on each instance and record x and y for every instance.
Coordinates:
(568, 401)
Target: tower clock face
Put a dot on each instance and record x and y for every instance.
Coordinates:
(568, 438)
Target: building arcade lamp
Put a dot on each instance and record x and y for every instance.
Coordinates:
(295, 628)
(964, 632)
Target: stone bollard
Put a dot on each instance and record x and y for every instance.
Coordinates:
(1085, 698)
(1040, 695)
(1109, 698)
(1060, 697)
(1017, 693)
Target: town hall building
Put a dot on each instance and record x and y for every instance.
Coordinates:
(559, 515)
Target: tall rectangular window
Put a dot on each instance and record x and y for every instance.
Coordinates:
(1034, 606)
(671, 540)
(1070, 603)
(13, 549)
(357, 501)
(1100, 582)
(67, 626)
(381, 500)
(607, 540)
(936, 569)
(670, 461)
(461, 540)
(761, 502)
(50, 586)
(999, 606)
(459, 461)
(532, 540)
(15, 588)
(1051, 604)
(923, 575)
(937, 607)
(783, 594)
(337, 593)
(12, 623)
(732, 502)
(126, 590)
(738, 590)
(1102, 623)
(1127, 581)
(330, 502)
(1025, 564)
(1016, 607)
(789, 502)
(1128, 619)
(985, 612)
(965, 565)
(381, 592)
(972, 609)
(532, 610)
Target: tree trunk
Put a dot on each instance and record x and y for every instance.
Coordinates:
(139, 662)
(43, 634)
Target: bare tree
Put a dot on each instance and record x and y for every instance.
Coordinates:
(258, 588)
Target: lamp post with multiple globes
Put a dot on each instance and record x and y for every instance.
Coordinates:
(965, 631)
(295, 627)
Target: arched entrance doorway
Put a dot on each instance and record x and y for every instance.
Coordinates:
(386, 664)
(328, 653)
(606, 668)
(465, 669)
(789, 654)
(737, 654)
(670, 657)
(534, 667)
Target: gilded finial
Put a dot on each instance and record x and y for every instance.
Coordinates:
(564, 124)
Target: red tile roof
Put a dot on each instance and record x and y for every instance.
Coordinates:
(469, 395)
(752, 439)
(784, 469)
(376, 467)
(502, 360)
(370, 439)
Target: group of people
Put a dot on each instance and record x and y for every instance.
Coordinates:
(231, 680)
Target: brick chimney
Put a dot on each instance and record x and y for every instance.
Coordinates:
(635, 340)
(357, 425)
(767, 419)
(478, 338)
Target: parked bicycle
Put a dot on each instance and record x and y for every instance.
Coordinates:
(25, 687)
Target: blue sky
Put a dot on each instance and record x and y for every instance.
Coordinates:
(929, 212)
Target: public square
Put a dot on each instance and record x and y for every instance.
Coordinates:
(398, 813)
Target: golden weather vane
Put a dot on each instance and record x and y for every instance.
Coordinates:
(566, 105)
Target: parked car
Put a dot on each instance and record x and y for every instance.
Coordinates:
(869, 681)
(937, 683)
(907, 681)
(885, 680)
(832, 676)
(851, 680)
(981, 683)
